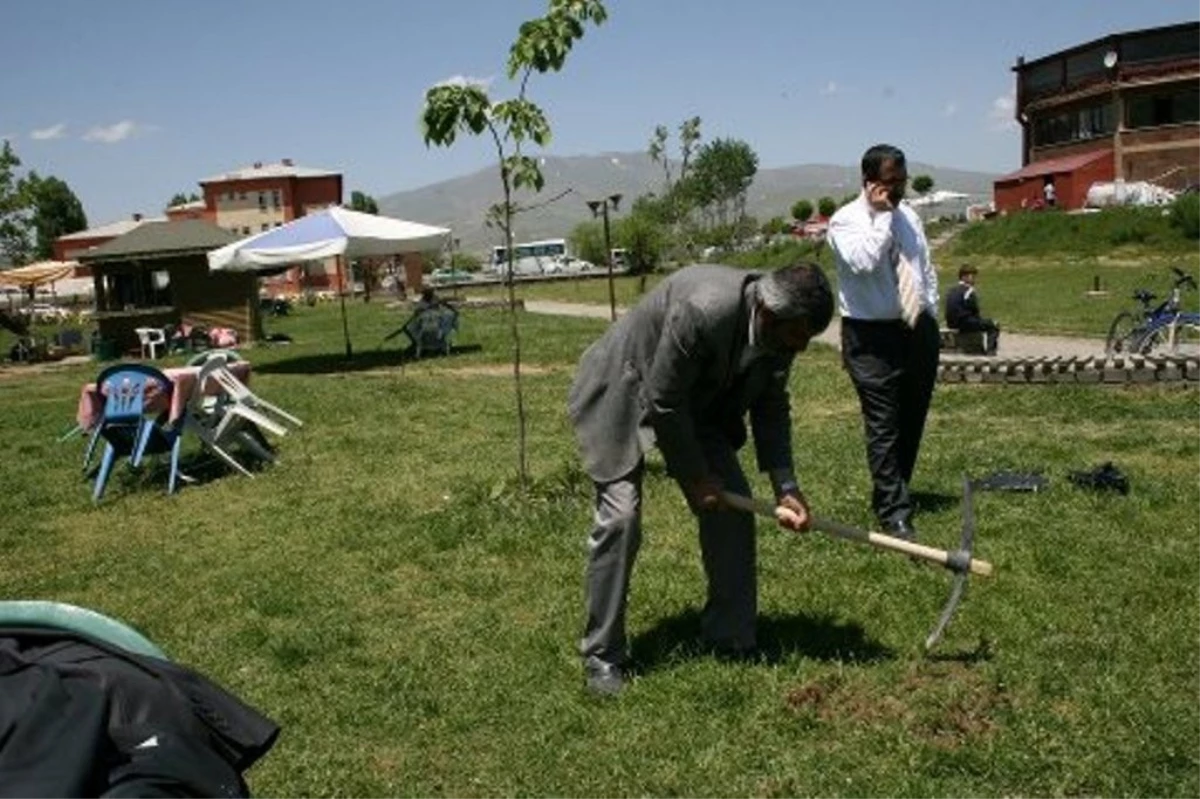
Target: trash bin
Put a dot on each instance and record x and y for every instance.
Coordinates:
(105, 349)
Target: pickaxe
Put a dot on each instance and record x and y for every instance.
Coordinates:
(958, 561)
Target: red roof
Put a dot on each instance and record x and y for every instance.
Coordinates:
(1054, 166)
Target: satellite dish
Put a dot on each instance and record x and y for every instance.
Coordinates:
(1110, 59)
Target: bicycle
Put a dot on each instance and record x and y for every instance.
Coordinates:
(1163, 329)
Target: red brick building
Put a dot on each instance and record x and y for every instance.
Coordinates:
(1125, 106)
(263, 196)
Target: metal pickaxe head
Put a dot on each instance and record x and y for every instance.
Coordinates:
(958, 561)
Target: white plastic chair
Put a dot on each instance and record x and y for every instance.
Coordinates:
(217, 422)
(247, 403)
(151, 338)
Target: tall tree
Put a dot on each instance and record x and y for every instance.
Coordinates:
(542, 46)
(827, 205)
(56, 212)
(363, 202)
(14, 209)
(724, 170)
(802, 210)
(922, 184)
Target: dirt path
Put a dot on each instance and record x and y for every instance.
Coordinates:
(1012, 345)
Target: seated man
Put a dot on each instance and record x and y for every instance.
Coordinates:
(962, 310)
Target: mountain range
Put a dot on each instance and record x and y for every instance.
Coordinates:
(461, 203)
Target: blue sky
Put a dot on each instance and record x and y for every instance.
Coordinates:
(130, 101)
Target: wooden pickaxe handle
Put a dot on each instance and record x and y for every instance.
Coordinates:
(933, 554)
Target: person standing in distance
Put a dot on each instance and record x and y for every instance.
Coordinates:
(682, 370)
(888, 301)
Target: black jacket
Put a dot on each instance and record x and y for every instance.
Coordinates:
(961, 305)
(81, 718)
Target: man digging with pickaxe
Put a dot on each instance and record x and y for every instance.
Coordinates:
(709, 346)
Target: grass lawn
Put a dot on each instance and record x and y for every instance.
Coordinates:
(410, 619)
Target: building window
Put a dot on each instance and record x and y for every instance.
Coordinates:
(229, 196)
(275, 198)
(1077, 125)
(246, 230)
(241, 195)
(265, 226)
(1166, 107)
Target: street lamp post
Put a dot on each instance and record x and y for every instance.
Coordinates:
(600, 208)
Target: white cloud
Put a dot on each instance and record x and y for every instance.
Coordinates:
(114, 133)
(46, 134)
(467, 80)
(950, 109)
(830, 88)
(1001, 114)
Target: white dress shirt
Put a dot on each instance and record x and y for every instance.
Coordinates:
(866, 246)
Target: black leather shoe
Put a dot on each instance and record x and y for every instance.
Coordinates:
(603, 679)
(902, 528)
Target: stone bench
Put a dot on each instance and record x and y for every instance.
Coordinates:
(972, 343)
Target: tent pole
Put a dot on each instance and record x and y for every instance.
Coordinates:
(342, 297)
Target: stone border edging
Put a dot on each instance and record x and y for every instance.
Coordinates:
(1117, 370)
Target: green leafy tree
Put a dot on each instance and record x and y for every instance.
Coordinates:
(542, 46)
(587, 242)
(921, 184)
(774, 226)
(643, 240)
(15, 209)
(56, 212)
(723, 172)
(802, 210)
(826, 206)
(363, 202)
(179, 198)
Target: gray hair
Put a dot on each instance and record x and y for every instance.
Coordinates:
(798, 291)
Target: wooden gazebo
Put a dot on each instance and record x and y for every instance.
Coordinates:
(157, 275)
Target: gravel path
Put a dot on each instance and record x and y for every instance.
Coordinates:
(1012, 345)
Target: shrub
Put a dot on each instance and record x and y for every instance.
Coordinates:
(1185, 214)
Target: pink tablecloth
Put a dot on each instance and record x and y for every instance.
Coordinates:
(184, 378)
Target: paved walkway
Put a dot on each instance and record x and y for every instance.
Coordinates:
(1012, 345)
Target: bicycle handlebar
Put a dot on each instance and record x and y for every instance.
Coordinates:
(1182, 278)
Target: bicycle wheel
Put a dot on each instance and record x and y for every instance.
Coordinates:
(1187, 335)
(1153, 342)
(1120, 334)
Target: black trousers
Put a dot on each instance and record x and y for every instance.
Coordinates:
(981, 324)
(893, 369)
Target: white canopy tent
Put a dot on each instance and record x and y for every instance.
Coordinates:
(333, 232)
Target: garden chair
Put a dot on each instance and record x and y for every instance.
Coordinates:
(61, 616)
(216, 421)
(126, 425)
(433, 328)
(151, 338)
(248, 404)
(201, 358)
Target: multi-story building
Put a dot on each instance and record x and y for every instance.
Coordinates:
(1123, 107)
(262, 196)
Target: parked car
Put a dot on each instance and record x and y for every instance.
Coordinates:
(449, 275)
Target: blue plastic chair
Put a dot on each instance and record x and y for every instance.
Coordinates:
(125, 426)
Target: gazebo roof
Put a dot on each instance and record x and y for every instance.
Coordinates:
(170, 239)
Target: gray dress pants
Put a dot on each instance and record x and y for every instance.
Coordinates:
(727, 547)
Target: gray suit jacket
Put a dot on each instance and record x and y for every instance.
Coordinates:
(667, 373)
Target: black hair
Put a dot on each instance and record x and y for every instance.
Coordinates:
(874, 159)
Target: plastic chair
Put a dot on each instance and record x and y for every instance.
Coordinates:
(61, 616)
(199, 359)
(249, 404)
(125, 426)
(216, 421)
(433, 328)
(151, 338)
